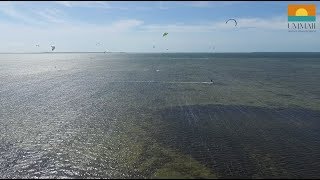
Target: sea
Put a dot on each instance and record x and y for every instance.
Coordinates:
(160, 115)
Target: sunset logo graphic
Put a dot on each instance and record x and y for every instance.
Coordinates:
(301, 12)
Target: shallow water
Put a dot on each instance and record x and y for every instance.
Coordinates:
(157, 115)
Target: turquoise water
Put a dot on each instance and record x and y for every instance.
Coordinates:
(135, 115)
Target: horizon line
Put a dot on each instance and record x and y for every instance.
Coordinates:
(154, 52)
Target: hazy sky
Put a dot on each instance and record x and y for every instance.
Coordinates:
(138, 26)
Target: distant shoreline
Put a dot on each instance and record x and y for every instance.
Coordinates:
(163, 52)
(53, 52)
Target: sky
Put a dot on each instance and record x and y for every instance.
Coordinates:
(138, 26)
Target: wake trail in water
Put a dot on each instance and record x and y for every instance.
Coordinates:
(163, 82)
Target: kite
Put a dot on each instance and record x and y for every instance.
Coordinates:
(232, 20)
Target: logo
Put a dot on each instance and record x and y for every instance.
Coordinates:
(302, 17)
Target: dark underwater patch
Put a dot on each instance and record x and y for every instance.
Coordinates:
(245, 141)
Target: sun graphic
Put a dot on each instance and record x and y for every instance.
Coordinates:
(301, 12)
